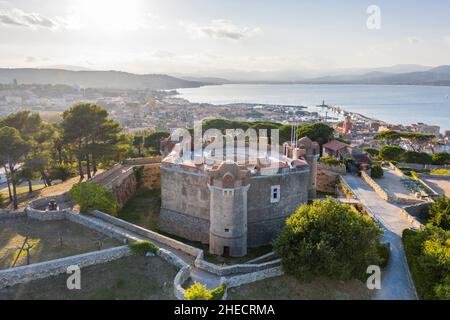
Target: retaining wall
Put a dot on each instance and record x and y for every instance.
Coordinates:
(380, 191)
(10, 277)
(171, 258)
(148, 234)
(12, 214)
(234, 269)
(182, 276)
(100, 226)
(243, 279)
(142, 161)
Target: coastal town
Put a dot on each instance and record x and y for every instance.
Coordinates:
(214, 221)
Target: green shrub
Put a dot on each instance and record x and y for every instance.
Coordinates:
(439, 213)
(391, 153)
(428, 255)
(372, 151)
(328, 238)
(92, 196)
(416, 157)
(376, 171)
(142, 247)
(442, 291)
(441, 158)
(383, 251)
(218, 292)
(330, 161)
(198, 292)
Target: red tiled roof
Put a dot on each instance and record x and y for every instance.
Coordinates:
(335, 145)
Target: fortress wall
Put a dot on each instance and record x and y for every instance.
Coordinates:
(181, 225)
(185, 192)
(265, 219)
(184, 204)
(125, 187)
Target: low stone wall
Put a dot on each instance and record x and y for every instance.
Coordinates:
(45, 215)
(142, 161)
(414, 222)
(182, 276)
(171, 258)
(419, 210)
(10, 277)
(192, 251)
(420, 167)
(396, 170)
(100, 226)
(243, 279)
(433, 192)
(407, 201)
(42, 203)
(200, 263)
(103, 175)
(347, 187)
(12, 214)
(379, 190)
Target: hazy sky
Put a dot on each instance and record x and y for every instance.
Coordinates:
(154, 36)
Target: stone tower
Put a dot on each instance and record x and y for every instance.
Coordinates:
(228, 186)
(310, 151)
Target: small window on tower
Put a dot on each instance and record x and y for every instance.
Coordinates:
(275, 194)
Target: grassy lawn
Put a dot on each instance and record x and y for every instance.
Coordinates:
(134, 277)
(289, 288)
(143, 209)
(50, 240)
(39, 191)
(22, 190)
(440, 171)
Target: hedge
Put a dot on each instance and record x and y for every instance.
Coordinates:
(142, 247)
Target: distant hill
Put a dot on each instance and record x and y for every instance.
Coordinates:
(96, 79)
(211, 80)
(435, 76)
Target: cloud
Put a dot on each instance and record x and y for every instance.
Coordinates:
(447, 40)
(163, 54)
(225, 29)
(414, 40)
(19, 18)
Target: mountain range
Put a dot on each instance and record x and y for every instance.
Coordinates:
(95, 79)
(394, 75)
(439, 76)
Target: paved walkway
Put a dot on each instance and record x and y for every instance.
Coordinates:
(397, 283)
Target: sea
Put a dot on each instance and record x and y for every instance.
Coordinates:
(395, 104)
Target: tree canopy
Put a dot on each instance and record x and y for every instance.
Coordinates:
(92, 196)
(327, 238)
(318, 132)
(391, 153)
